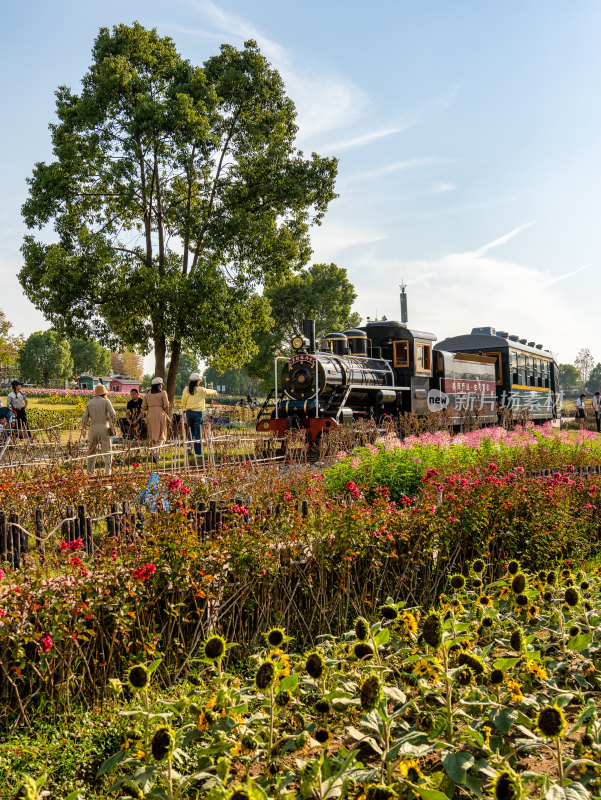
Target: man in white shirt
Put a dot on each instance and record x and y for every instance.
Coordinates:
(17, 402)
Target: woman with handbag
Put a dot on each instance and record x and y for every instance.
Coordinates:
(101, 416)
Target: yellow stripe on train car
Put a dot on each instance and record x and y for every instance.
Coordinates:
(531, 388)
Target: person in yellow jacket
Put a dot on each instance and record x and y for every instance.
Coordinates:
(194, 404)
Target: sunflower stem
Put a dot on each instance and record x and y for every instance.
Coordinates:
(271, 704)
(559, 744)
(447, 682)
(170, 777)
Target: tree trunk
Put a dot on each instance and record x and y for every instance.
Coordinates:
(176, 349)
(159, 356)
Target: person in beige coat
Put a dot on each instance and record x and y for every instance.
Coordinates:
(156, 404)
(101, 416)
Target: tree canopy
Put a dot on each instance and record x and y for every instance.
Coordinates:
(89, 356)
(594, 379)
(45, 356)
(174, 192)
(9, 344)
(323, 293)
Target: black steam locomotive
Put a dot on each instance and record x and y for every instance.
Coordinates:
(386, 369)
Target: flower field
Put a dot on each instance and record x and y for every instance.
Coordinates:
(433, 607)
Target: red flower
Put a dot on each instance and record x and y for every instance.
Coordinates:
(46, 644)
(145, 572)
(64, 545)
(174, 484)
(351, 486)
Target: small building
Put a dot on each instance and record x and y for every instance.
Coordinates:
(123, 383)
(89, 382)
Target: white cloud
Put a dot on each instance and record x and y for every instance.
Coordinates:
(398, 166)
(324, 101)
(331, 238)
(503, 239)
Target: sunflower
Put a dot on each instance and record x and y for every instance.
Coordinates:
(214, 648)
(137, 677)
(323, 736)
(551, 721)
(432, 630)
(388, 611)
(571, 597)
(362, 650)
(478, 565)
(457, 582)
(518, 583)
(163, 743)
(406, 624)
(275, 637)
(515, 690)
(496, 677)
(516, 640)
(513, 567)
(484, 600)
(507, 786)
(315, 665)
(534, 669)
(361, 628)
(265, 675)
(369, 692)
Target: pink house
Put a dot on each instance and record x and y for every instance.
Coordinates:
(123, 383)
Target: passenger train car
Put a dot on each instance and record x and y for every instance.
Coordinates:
(385, 369)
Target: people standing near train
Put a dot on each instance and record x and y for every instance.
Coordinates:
(17, 402)
(581, 411)
(101, 416)
(597, 410)
(156, 405)
(194, 404)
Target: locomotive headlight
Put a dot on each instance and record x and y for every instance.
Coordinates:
(299, 341)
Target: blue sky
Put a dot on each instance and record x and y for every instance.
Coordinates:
(467, 133)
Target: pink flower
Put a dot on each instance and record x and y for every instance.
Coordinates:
(351, 486)
(174, 484)
(75, 544)
(287, 496)
(64, 545)
(185, 490)
(1, 574)
(46, 644)
(136, 464)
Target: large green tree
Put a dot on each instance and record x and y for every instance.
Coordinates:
(89, 356)
(45, 356)
(9, 344)
(323, 293)
(594, 379)
(569, 377)
(174, 192)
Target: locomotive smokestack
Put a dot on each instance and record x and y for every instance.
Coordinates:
(309, 332)
(404, 315)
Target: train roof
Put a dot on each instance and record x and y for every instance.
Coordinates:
(482, 341)
(388, 328)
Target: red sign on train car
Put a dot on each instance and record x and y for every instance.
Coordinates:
(452, 385)
(302, 357)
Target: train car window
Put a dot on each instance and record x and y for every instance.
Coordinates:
(498, 366)
(513, 366)
(440, 362)
(401, 354)
(422, 358)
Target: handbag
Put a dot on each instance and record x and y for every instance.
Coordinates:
(112, 429)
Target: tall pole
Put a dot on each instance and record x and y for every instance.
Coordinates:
(404, 315)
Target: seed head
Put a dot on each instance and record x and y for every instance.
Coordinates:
(361, 628)
(132, 789)
(138, 676)
(457, 582)
(162, 743)
(315, 665)
(551, 578)
(478, 565)
(369, 692)
(214, 648)
(507, 786)
(275, 637)
(388, 611)
(497, 676)
(432, 630)
(322, 735)
(239, 794)
(521, 600)
(477, 583)
(487, 622)
(265, 675)
(322, 706)
(513, 567)
(571, 596)
(362, 650)
(547, 597)
(516, 640)
(283, 698)
(472, 661)
(584, 585)
(464, 676)
(379, 791)
(551, 721)
(574, 631)
(518, 583)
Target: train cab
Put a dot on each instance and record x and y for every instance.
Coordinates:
(410, 353)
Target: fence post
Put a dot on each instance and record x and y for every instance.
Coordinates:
(3, 537)
(39, 532)
(211, 516)
(14, 534)
(89, 539)
(201, 519)
(70, 524)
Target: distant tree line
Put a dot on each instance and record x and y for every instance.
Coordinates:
(581, 376)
